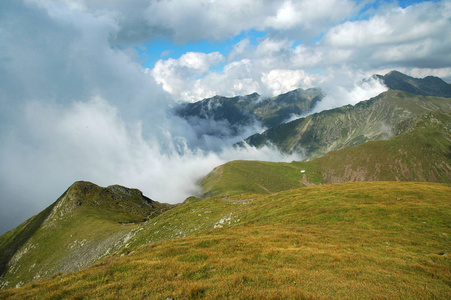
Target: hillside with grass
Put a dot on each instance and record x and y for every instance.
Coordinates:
(86, 223)
(362, 240)
(374, 119)
(421, 153)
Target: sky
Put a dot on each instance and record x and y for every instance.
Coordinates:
(87, 88)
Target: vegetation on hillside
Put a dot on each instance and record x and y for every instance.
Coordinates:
(358, 240)
(86, 223)
(421, 153)
(374, 119)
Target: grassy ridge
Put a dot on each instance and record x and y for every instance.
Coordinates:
(421, 153)
(86, 223)
(356, 240)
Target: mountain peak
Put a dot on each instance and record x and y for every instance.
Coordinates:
(116, 202)
(86, 223)
(428, 86)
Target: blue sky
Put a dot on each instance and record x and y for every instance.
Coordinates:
(198, 46)
(165, 47)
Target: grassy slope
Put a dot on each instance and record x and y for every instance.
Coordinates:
(84, 224)
(14, 239)
(421, 154)
(352, 240)
(251, 177)
(374, 119)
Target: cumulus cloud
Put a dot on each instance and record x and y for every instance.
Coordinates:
(412, 39)
(187, 20)
(236, 78)
(417, 35)
(282, 81)
(309, 18)
(176, 75)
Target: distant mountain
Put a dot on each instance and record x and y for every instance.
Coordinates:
(374, 119)
(420, 152)
(428, 86)
(240, 111)
(86, 223)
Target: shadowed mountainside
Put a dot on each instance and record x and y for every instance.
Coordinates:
(374, 119)
(236, 112)
(428, 86)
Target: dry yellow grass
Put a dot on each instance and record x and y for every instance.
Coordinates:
(357, 240)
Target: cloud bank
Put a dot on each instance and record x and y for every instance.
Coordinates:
(77, 103)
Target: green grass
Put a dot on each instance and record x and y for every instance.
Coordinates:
(251, 177)
(421, 153)
(349, 125)
(84, 224)
(362, 240)
(14, 239)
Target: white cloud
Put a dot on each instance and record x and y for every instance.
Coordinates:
(309, 17)
(417, 36)
(176, 75)
(269, 47)
(346, 86)
(282, 81)
(285, 18)
(188, 20)
(89, 141)
(237, 78)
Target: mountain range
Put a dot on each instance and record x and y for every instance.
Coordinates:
(375, 119)
(236, 112)
(365, 215)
